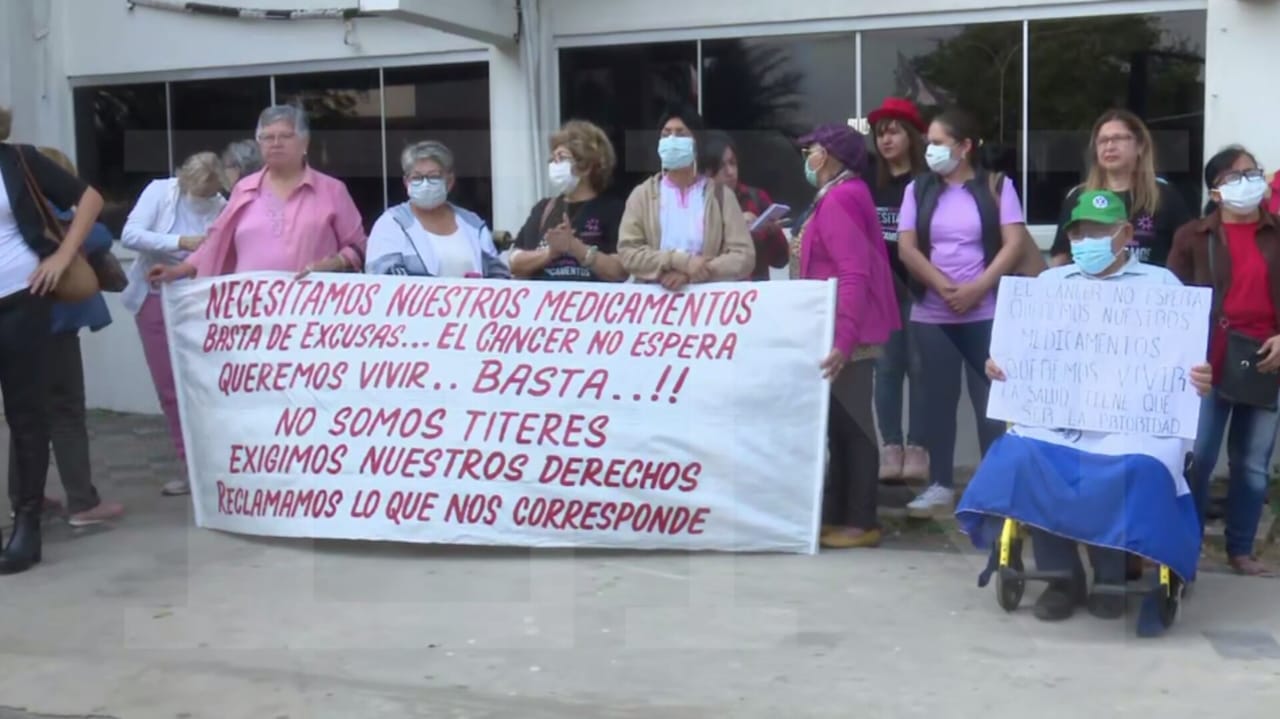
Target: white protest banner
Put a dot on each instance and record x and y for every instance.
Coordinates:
(1102, 356)
(514, 413)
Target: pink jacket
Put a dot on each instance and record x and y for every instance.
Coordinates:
(843, 239)
(330, 224)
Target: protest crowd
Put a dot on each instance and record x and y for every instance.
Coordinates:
(914, 223)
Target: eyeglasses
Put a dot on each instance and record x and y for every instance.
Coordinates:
(277, 139)
(1115, 140)
(415, 179)
(1234, 176)
(562, 157)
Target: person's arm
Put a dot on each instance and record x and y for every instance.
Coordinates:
(139, 229)
(1012, 229)
(604, 262)
(639, 258)
(909, 251)
(352, 242)
(527, 259)
(737, 257)
(389, 250)
(65, 190)
(839, 229)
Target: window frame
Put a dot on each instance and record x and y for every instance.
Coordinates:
(1043, 234)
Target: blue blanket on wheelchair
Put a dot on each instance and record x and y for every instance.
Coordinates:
(1116, 491)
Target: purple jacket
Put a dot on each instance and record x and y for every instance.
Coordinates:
(843, 239)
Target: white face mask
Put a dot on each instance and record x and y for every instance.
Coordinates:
(1243, 195)
(941, 159)
(428, 193)
(560, 174)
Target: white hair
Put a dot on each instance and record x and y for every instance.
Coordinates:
(291, 114)
(428, 150)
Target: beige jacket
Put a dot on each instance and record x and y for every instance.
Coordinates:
(726, 242)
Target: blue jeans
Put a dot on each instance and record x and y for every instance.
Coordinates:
(1250, 441)
(899, 363)
(948, 355)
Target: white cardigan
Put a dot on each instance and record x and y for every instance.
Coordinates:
(149, 232)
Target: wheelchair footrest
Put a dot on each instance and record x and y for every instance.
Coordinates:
(1035, 576)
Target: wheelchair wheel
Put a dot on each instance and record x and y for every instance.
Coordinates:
(1009, 582)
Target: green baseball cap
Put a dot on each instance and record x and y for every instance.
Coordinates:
(1101, 206)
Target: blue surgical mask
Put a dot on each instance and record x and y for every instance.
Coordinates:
(428, 193)
(1093, 255)
(675, 152)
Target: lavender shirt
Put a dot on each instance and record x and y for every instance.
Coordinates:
(956, 239)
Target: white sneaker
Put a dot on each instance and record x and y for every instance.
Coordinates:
(175, 488)
(935, 501)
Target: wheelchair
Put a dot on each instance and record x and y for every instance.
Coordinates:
(1162, 600)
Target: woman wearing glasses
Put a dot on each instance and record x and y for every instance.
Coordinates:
(1122, 159)
(1236, 251)
(286, 217)
(428, 236)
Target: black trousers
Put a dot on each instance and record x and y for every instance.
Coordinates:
(67, 429)
(1057, 554)
(851, 496)
(24, 338)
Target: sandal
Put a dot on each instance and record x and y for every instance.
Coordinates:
(1249, 566)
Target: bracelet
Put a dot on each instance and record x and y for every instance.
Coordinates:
(589, 259)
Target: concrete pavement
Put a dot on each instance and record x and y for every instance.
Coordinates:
(152, 618)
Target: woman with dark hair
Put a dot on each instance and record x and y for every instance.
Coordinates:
(841, 239)
(899, 153)
(1236, 251)
(679, 227)
(957, 236)
(1122, 158)
(720, 163)
(31, 267)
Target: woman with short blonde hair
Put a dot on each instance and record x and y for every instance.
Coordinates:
(168, 223)
(573, 235)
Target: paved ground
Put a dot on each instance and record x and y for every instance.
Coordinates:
(152, 618)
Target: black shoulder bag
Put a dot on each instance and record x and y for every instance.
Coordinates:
(1242, 382)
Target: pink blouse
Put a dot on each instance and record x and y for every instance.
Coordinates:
(258, 231)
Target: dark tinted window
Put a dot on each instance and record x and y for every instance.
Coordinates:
(448, 103)
(625, 89)
(210, 114)
(345, 112)
(1151, 64)
(122, 143)
(767, 92)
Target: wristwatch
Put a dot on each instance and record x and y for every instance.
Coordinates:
(589, 259)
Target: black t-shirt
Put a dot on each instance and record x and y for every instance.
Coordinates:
(1152, 236)
(888, 203)
(595, 222)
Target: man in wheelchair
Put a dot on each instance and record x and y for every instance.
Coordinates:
(1117, 494)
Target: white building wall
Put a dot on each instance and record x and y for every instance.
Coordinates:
(102, 40)
(1241, 101)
